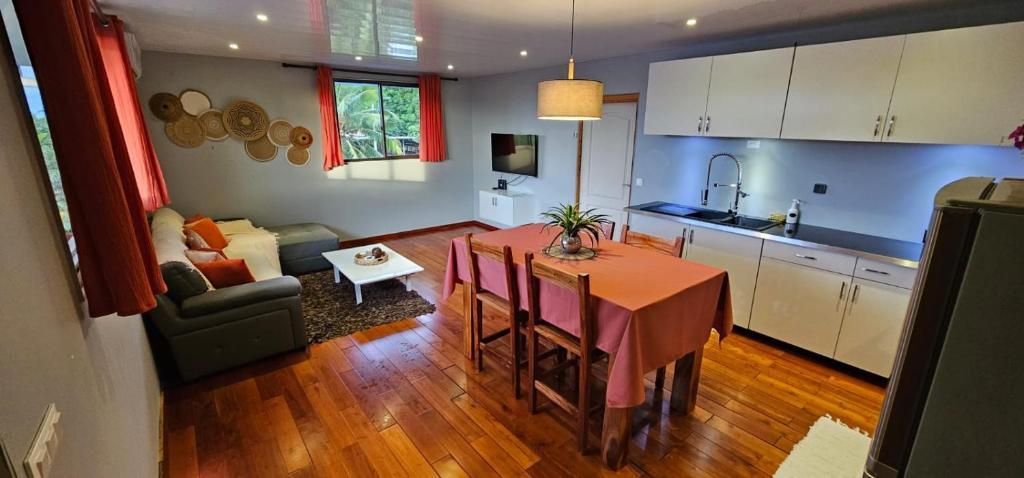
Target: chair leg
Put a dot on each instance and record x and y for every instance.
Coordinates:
(513, 334)
(659, 379)
(478, 309)
(531, 369)
(583, 402)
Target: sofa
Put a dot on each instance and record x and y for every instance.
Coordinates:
(198, 330)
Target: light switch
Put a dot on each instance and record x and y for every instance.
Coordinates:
(639, 181)
(43, 451)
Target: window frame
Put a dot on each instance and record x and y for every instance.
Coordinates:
(383, 122)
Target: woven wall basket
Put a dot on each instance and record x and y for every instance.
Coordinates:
(280, 132)
(246, 120)
(186, 132)
(298, 156)
(261, 149)
(213, 124)
(301, 137)
(166, 106)
(194, 101)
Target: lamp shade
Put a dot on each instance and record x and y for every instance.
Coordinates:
(570, 100)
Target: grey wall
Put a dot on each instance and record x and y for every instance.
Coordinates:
(358, 200)
(99, 372)
(876, 189)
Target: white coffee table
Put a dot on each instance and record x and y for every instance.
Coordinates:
(397, 267)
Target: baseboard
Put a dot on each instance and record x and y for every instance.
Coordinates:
(413, 232)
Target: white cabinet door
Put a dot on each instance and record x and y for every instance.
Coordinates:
(504, 209)
(677, 96)
(748, 94)
(959, 86)
(872, 326)
(841, 91)
(488, 206)
(738, 255)
(799, 305)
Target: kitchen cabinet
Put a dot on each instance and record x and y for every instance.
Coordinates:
(506, 207)
(871, 326)
(738, 255)
(800, 305)
(747, 96)
(959, 86)
(841, 91)
(677, 96)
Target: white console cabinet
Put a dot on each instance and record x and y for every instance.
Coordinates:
(509, 208)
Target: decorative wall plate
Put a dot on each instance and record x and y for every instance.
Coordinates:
(194, 101)
(261, 149)
(301, 137)
(213, 124)
(298, 156)
(246, 120)
(186, 132)
(166, 106)
(280, 132)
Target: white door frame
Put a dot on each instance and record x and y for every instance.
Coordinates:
(620, 98)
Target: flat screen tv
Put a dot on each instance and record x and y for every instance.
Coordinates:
(514, 153)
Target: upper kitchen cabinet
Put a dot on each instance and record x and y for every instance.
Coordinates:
(677, 96)
(841, 91)
(748, 94)
(959, 86)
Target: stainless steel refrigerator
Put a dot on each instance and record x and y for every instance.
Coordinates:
(955, 401)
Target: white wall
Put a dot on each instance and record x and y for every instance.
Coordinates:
(99, 372)
(358, 200)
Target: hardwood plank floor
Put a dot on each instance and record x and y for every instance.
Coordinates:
(400, 400)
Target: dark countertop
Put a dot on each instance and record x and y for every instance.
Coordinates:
(873, 247)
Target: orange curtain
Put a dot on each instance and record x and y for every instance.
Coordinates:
(148, 176)
(333, 156)
(432, 144)
(116, 259)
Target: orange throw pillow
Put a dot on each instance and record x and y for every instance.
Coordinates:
(210, 233)
(195, 218)
(226, 273)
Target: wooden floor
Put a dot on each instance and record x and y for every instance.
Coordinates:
(400, 400)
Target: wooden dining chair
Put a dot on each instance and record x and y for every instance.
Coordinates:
(608, 229)
(672, 247)
(515, 318)
(582, 348)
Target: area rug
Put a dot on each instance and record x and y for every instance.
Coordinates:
(830, 450)
(330, 309)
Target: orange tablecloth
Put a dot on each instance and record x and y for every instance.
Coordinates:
(651, 309)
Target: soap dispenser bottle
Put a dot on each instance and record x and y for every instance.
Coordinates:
(793, 215)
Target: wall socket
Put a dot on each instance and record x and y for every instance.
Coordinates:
(820, 188)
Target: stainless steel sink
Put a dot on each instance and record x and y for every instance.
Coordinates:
(709, 215)
(747, 222)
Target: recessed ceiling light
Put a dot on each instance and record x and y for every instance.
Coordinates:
(451, 67)
(691, 22)
(262, 17)
(359, 58)
(523, 53)
(419, 39)
(233, 46)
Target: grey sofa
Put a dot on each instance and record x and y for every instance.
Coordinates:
(301, 246)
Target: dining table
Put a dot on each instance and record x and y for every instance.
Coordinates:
(651, 309)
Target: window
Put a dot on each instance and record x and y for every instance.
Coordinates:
(378, 120)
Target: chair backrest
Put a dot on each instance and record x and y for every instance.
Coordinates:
(579, 283)
(647, 241)
(608, 229)
(500, 254)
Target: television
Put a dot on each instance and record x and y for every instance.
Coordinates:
(514, 153)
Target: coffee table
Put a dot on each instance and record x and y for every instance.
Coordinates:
(397, 267)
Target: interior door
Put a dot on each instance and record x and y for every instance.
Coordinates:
(872, 325)
(607, 161)
(959, 86)
(677, 96)
(841, 91)
(748, 94)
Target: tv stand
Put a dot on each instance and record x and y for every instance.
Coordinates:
(509, 208)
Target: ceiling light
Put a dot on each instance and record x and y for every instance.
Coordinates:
(262, 17)
(419, 39)
(451, 67)
(691, 22)
(523, 53)
(570, 99)
(233, 46)
(359, 58)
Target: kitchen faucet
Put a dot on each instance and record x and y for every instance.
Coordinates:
(735, 207)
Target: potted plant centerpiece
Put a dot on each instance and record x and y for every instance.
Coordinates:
(574, 223)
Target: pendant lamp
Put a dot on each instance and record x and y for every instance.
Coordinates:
(570, 99)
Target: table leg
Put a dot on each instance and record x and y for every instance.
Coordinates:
(467, 322)
(408, 283)
(359, 294)
(615, 436)
(684, 382)
(337, 275)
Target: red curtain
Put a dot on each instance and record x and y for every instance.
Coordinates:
(432, 144)
(333, 156)
(116, 259)
(148, 176)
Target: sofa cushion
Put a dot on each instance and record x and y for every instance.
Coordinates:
(259, 249)
(299, 241)
(210, 233)
(182, 280)
(226, 272)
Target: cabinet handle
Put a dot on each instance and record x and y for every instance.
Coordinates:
(856, 289)
(874, 271)
(842, 291)
(700, 124)
(878, 124)
(707, 125)
(810, 258)
(892, 125)
(691, 236)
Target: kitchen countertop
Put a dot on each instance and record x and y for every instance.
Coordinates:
(902, 253)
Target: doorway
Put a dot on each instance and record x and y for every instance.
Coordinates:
(605, 159)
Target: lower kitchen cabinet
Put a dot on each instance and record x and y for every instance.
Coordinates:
(800, 305)
(738, 255)
(871, 328)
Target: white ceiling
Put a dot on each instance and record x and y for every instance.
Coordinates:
(478, 37)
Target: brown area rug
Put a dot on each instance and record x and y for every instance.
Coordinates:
(330, 309)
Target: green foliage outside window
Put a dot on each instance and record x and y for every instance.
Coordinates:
(378, 121)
